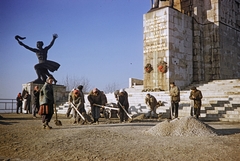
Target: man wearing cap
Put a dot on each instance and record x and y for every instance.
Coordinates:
(196, 96)
(95, 98)
(175, 99)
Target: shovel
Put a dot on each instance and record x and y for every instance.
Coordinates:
(125, 110)
(75, 108)
(57, 122)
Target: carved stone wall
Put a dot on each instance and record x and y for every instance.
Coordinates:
(167, 38)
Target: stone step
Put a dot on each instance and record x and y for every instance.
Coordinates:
(230, 119)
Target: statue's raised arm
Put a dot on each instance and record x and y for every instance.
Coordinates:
(18, 38)
(52, 42)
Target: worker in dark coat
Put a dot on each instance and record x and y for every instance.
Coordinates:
(175, 99)
(35, 106)
(196, 96)
(95, 98)
(19, 103)
(151, 101)
(123, 103)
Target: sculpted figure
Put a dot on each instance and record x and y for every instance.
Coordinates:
(44, 65)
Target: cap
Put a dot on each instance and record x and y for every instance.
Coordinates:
(50, 77)
(193, 88)
(121, 90)
(80, 87)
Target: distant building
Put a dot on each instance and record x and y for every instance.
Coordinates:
(191, 41)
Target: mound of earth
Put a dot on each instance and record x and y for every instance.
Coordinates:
(186, 126)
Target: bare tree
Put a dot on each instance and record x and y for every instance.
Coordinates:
(73, 82)
(111, 87)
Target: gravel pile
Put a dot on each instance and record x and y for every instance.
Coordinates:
(186, 126)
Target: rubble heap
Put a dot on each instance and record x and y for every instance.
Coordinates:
(186, 126)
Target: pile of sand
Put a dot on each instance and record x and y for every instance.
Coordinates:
(186, 126)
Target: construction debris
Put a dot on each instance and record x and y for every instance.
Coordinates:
(186, 126)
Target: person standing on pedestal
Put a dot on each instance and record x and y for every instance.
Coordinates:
(175, 99)
(19, 103)
(46, 103)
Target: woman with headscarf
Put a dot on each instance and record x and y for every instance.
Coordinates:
(46, 103)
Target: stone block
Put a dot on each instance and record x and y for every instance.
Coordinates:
(60, 92)
(212, 112)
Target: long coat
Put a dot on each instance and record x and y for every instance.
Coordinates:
(175, 94)
(151, 102)
(197, 97)
(47, 98)
(96, 99)
(36, 98)
(46, 94)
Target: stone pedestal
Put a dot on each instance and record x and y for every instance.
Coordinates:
(167, 39)
(60, 93)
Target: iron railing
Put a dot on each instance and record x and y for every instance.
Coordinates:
(8, 105)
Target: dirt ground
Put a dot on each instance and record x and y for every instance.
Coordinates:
(22, 138)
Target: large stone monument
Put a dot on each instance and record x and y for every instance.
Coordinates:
(189, 41)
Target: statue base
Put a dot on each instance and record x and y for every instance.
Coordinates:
(60, 93)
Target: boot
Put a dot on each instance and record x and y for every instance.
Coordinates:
(44, 125)
(75, 122)
(47, 126)
(94, 121)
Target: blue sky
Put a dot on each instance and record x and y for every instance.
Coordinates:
(100, 40)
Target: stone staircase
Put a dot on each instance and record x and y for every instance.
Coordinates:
(221, 101)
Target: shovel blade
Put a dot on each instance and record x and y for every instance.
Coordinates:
(58, 122)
